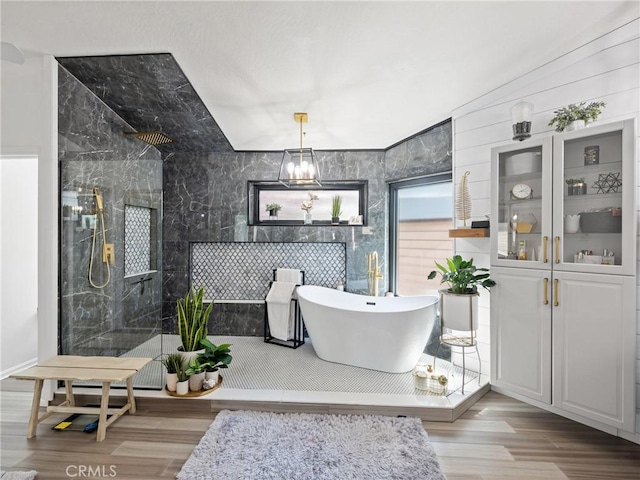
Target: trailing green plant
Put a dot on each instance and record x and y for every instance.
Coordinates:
(572, 112)
(192, 319)
(172, 362)
(336, 206)
(214, 357)
(273, 206)
(462, 275)
(195, 367)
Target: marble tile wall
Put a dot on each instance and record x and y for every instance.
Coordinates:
(151, 93)
(94, 152)
(205, 200)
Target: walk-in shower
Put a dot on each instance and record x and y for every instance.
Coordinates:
(104, 311)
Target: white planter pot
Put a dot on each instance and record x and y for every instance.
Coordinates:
(459, 311)
(212, 376)
(195, 381)
(182, 388)
(187, 356)
(171, 381)
(575, 125)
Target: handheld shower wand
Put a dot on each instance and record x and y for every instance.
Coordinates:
(98, 196)
(107, 248)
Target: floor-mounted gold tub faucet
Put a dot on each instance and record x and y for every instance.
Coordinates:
(373, 273)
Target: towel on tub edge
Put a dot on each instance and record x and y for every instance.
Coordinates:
(280, 309)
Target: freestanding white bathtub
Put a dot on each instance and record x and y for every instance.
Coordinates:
(380, 333)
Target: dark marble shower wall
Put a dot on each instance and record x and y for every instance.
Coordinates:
(94, 152)
(205, 200)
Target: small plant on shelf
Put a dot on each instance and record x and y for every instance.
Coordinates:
(575, 112)
(273, 209)
(336, 209)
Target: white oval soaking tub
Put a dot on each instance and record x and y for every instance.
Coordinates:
(380, 333)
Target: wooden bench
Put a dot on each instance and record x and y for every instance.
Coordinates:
(70, 368)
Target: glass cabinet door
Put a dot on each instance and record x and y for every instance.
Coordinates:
(594, 221)
(521, 207)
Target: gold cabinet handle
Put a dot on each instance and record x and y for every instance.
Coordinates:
(545, 239)
(555, 293)
(557, 249)
(545, 286)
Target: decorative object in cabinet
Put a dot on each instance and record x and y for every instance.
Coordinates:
(576, 186)
(606, 220)
(592, 155)
(571, 223)
(608, 183)
(522, 163)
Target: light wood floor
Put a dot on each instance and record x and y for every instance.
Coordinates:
(497, 438)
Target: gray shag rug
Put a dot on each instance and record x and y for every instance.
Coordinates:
(298, 446)
(18, 475)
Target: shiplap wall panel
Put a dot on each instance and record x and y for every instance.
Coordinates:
(606, 69)
(622, 58)
(613, 39)
(500, 132)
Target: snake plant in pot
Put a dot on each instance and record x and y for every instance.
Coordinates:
(173, 363)
(192, 323)
(459, 302)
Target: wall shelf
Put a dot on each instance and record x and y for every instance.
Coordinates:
(468, 232)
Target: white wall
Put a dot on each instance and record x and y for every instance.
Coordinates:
(18, 263)
(606, 69)
(21, 113)
(29, 125)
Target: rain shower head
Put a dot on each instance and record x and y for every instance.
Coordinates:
(152, 138)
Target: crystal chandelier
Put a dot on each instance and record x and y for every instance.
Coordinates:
(299, 165)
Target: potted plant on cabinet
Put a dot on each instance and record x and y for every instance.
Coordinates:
(273, 209)
(572, 117)
(336, 209)
(460, 300)
(173, 363)
(214, 358)
(192, 323)
(195, 372)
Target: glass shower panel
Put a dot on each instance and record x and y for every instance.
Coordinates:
(110, 302)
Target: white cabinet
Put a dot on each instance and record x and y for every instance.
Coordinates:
(521, 333)
(594, 347)
(563, 254)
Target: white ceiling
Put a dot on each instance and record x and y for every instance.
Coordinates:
(368, 73)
